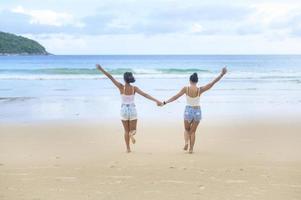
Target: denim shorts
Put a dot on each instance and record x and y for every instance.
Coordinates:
(192, 114)
(128, 112)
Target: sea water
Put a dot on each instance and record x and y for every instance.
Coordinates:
(45, 88)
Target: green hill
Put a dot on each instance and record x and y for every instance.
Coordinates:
(11, 44)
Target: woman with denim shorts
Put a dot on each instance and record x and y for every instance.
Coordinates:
(192, 113)
(128, 109)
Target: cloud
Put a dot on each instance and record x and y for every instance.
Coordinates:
(161, 17)
(166, 44)
(197, 28)
(276, 16)
(296, 31)
(129, 19)
(48, 17)
(158, 26)
(21, 23)
(203, 12)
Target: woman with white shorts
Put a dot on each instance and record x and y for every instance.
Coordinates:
(128, 110)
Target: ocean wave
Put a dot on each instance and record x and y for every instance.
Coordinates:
(92, 71)
(82, 77)
(14, 99)
(171, 73)
(142, 76)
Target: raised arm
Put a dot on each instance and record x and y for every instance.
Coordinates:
(182, 91)
(118, 84)
(159, 103)
(211, 84)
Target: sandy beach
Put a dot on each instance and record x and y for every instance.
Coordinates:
(246, 160)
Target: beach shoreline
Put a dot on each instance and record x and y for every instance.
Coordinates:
(242, 160)
(47, 88)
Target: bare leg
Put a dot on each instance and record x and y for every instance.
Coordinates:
(133, 127)
(193, 128)
(126, 126)
(186, 134)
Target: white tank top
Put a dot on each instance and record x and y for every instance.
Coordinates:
(192, 101)
(128, 99)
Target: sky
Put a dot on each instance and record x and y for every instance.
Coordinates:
(101, 27)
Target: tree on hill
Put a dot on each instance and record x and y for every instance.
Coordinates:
(13, 44)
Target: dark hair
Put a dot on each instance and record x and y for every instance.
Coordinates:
(128, 77)
(194, 78)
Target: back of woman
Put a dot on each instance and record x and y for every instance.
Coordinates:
(193, 96)
(192, 113)
(128, 110)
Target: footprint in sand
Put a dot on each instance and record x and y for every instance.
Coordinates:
(66, 178)
(236, 181)
(151, 191)
(173, 181)
(18, 174)
(112, 164)
(295, 186)
(1, 164)
(201, 187)
(120, 177)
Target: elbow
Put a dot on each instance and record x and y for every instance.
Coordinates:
(175, 98)
(146, 96)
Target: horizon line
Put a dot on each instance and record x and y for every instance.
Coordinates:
(276, 54)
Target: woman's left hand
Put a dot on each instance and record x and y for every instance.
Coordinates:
(224, 70)
(99, 67)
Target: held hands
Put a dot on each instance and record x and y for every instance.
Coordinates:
(160, 103)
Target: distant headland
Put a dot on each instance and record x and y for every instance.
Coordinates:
(11, 44)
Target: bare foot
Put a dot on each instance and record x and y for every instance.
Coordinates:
(190, 151)
(132, 133)
(133, 139)
(185, 147)
(128, 150)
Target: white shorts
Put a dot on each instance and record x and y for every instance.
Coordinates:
(128, 112)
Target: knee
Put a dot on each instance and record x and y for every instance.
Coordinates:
(192, 133)
(187, 130)
(132, 132)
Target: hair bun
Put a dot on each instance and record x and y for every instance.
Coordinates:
(128, 77)
(194, 77)
(131, 79)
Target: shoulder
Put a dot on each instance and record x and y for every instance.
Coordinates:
(184, 89)
(136, 89)
(120, 87)
(202, 89)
